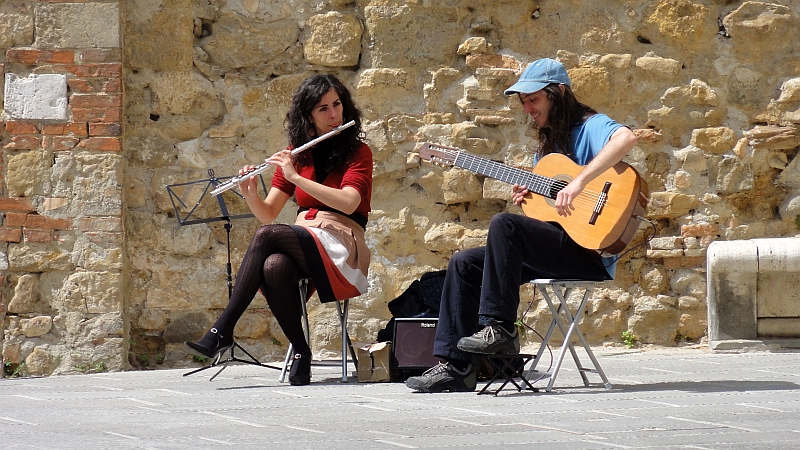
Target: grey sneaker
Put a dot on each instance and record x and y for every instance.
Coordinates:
(491, 339)
(444, 377)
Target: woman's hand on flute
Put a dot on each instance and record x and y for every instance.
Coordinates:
(249, 186)
(283, 159)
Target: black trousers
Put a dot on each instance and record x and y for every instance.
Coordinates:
(485, 281)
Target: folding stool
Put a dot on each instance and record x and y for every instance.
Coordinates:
(342, 308)
(568, 325)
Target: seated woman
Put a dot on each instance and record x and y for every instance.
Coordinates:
(332, 184)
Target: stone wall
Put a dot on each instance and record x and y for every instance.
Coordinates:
(62, 242)
(711, 87)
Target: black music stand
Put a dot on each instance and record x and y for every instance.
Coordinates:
(178, 204)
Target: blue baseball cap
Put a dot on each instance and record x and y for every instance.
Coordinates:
(539, 74)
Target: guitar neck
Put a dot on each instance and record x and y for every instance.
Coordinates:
(535, 183)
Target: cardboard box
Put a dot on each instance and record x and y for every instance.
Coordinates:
(373, 362)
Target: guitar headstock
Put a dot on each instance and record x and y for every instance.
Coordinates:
(438, 154)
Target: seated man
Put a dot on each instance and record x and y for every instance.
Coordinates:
(481, 290)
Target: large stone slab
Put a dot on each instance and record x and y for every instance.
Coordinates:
(77, 25)
(36, 97)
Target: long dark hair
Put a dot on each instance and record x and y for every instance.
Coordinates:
(301, 129)
(565, 113)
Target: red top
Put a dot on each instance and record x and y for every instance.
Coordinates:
(357, 174)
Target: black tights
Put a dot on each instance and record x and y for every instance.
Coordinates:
(274, 263)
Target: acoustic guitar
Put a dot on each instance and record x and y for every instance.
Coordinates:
(606, 211)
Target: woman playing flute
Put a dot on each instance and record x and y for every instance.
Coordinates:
(332, 184)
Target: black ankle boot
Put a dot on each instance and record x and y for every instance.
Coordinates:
(211, 344)
(300, 373)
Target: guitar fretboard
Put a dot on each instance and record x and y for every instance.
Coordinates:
(538, 184)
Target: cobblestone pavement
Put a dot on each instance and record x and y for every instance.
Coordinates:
(661, 398)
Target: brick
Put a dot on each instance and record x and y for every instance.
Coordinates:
(90, 115)
(676, 253)
(37, 221)
(113, 85)
(85, 86)
(99, 55)
(31, 56)
(10, 234)
(38, 235)
(91, 70)
(14, 127)
(95, 100)
(61, 143)
(105, 129)
(102, 143)
(15, 219)
(53, 128)
(25, 142)
(16, 204)
(66, 129)
(107, 224)
(682, 263)
(702, 229)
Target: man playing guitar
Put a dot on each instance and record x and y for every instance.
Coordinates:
(481, 290)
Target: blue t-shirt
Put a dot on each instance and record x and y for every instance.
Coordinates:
(588, 139)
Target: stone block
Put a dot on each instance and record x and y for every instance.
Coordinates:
(670, 204)
(715, 140)
(16, 27)
(752, 289)
(335, 39)
(36, 96)
(77, 25)
(36, 326)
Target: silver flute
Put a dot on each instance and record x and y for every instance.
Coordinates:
(234, 181)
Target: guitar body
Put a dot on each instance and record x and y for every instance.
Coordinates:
(615, 226)
(605, 214)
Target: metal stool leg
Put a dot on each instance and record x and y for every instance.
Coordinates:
(343, 309)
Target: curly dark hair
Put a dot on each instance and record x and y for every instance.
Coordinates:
(300, 128)
(565, 113)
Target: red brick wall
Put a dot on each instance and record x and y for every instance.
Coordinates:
(94, 80)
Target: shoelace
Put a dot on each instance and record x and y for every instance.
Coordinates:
(439, 368)
(488, 334)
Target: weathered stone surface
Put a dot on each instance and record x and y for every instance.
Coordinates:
(715, 140)
(36, 96)
(29, 173)
(771, 137)
(90, 293)
(26, 295)
(158, 38)
(759, 30)
(39, 362)
(36, 326)
(390, 91)
(682, 22)
(187, 327)
(430, 24)
(16, 26)
(77, 25)
(663, 67)
(335, 39)
(669, 204)
(654, 320)
(38, 257)
(236, 42)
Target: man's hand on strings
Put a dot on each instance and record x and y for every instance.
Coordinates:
(566, 197)
(519, 194)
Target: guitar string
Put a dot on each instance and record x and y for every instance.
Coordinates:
(534, 182)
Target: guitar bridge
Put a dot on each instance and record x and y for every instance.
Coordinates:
(601, 201)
